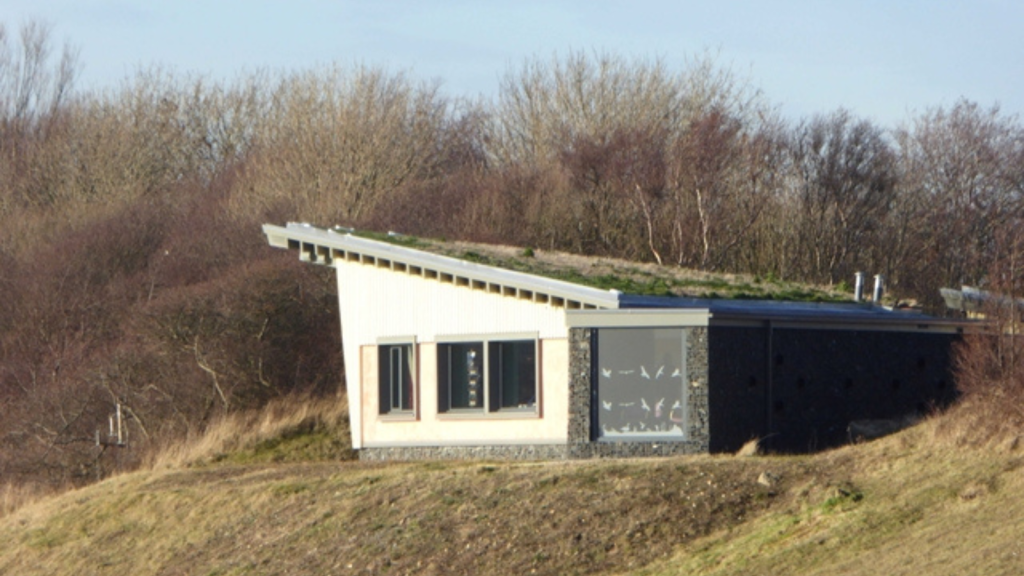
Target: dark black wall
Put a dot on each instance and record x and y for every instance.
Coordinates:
(800, 390)
(737, 386)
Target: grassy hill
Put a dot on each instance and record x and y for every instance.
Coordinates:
(915, 503)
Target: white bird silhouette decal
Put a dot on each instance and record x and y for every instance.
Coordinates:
(643, 372)
(677, 374)
(606, 372)
(676, 413)
(626, 371)
(606, 405)
(660, 372)
(643, 404)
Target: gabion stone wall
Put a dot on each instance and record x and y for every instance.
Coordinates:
(581, 373)
(580, 393)
(697, 370)
(495, 452)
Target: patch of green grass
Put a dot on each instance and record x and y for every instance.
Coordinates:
(45, 538)
(842, 498)
(300, 444)
(289, 488)
(628, 279)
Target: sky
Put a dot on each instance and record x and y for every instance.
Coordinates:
(883, 60)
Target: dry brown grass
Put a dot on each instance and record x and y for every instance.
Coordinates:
(259, 434)
(425, 518)
(751, 448)
(912, 503)
(15, 496)
(980, 423)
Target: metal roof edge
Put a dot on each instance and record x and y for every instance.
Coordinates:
(316, 244)
(820, 315)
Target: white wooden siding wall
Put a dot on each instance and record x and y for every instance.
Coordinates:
(377, 302)
(434, 429)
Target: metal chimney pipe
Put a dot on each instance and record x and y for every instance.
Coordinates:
(879, 286)
(858, 287)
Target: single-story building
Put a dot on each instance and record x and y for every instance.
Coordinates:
(447, 358)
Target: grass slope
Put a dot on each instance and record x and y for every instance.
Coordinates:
(902, 505)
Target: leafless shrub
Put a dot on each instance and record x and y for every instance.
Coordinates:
(990, 361)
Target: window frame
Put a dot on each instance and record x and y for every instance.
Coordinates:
(386, 409)
(490, 388)
(599, 365)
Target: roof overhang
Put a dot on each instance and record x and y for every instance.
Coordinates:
(795, 314)
(634, 318)
(330, 247)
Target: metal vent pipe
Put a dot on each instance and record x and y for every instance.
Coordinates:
(879, 287)
(858, 287)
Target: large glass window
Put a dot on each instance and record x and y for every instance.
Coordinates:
(396, 376)
(487, 376)
(512, 375)
(641, 383)
(461, 375)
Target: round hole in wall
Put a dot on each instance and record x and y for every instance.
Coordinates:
(941, 385)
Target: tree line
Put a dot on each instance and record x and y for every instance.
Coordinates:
(134, 271)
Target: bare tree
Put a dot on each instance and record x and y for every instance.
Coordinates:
(843, 186)
(33, 91)
(337, 142)
(543, 107)
(616, 180)
(961, 170)
(32, 87)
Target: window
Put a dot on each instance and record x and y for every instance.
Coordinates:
(484, 376)
(641, 384)
(460, 374)
(512, 374)
(396, 369)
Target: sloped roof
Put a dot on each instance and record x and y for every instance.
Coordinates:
(325, 246)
